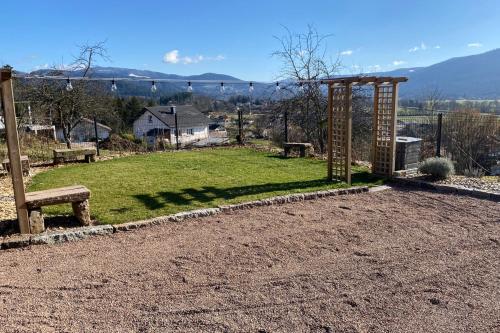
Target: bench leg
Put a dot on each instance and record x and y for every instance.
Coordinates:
(286, 151)
(58, 160)
(89, 158)
(302, 152)
(82, 211)
(37, 223)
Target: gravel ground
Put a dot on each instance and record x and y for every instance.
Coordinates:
(391, 261)
(489, 183)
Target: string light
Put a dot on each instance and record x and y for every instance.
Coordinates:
(114, 88)
(278, 88)
(69, 86)
(153, 87)
(250, 88)
(222, 88)
(190, 88)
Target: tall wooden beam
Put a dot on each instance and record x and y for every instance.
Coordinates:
(394, 120)
(330, 132)
(348, 131)
(13, 149)
(375, 128)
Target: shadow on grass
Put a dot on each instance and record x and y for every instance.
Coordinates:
(209, 194)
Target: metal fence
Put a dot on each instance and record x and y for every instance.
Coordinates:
(470, 139)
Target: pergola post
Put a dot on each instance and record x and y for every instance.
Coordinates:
(330, 133)
(348, 132)
(16, 172)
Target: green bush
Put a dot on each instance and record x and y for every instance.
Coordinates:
(438, 167)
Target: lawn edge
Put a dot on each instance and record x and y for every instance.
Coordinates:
(75, 234)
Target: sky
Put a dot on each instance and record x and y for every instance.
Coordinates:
(238, 37)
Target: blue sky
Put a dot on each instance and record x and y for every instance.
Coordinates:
(236, 37)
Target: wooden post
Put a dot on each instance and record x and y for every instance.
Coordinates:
(13, 149)
(330, 132)
(439, 133)
(375, 128)
(394, 119)
(348, 131)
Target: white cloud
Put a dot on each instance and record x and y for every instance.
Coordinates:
(437, 47)
(421, 47)
(44, 66)
(346, 52)
(173, 57)
(474, 44)
(398, 62)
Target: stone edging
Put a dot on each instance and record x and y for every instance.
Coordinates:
(53, 237)
(446, 188)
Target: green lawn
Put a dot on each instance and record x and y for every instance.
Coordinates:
(145, 186)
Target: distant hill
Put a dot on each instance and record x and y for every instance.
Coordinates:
(473, 77)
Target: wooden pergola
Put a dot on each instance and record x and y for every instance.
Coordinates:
(340, 124)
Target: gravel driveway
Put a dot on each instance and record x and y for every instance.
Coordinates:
(391, 261)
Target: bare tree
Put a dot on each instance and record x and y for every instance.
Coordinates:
(88, 55)
(304, 58)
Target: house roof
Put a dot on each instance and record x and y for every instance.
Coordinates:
(87, 120)
(187, 116)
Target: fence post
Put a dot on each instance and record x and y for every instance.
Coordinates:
(439, 130)
(96, 136)
(286, 125)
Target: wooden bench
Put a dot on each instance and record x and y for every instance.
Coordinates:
(77, 195)
(25, 164)
(61, 155)
(303, 147)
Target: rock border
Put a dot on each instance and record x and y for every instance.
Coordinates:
(446, 188)
(75, 234)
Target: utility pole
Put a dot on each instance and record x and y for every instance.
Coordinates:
(286, 125)
(439, 130)
(240, 126)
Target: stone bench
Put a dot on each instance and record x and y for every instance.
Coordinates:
(302, 147)
(61, 155)
(25, 164)
(77, 195)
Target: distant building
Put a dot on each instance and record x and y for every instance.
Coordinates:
(158, 123)
(84, 131)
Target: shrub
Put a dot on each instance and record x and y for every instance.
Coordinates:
(438, 167)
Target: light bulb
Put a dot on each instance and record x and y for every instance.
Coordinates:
(153, 87)
(278, 88)
(69, 86)
(222, 88)
(190, 87)
(113, 86)
(250, 88)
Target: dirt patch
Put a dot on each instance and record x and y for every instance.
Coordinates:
(388, 261)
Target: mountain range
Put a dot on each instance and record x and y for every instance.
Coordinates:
(471, 77)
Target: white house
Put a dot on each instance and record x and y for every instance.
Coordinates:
(158, 122)
(84, 131)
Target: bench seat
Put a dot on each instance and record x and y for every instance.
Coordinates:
(77, 195)
(25, 165)
(302, 147)
(61, 155)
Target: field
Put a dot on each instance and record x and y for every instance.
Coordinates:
(391, 261)
(144, 186)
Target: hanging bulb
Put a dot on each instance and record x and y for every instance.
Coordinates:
(278, 88)
(114, 88)
(69, 86)
(153, 87)
(250, 88)
(222, 88)
(190, 88)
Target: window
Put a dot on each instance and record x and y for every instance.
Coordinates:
(150, 119)
(190, 131)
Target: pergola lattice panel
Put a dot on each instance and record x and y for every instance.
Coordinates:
(340, 152)
(384, 129)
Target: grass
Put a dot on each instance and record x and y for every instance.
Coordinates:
(145, 186)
